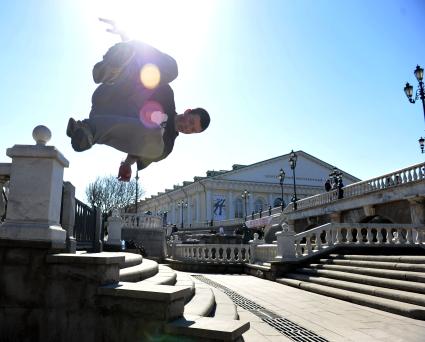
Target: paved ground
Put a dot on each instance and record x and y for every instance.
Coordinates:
(333, 319)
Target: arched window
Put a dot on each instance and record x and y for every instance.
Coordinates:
(239, 212)
(259, 204)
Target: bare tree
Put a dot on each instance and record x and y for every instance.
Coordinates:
(108, 193)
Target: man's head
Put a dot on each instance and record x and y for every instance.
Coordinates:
(192, 121)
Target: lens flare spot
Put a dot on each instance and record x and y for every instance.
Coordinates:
(150, 76)
(149, 114)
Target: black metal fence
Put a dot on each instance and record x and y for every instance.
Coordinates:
(85, 225)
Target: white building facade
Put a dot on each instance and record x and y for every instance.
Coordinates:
(217, 198)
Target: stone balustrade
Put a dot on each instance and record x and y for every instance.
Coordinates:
(265, 253)
(141, 221)
(212, 253)
(411, 174)
(328, 236)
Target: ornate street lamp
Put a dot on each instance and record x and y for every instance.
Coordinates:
(419, 94)
(281, 179)
(422, 143)
(137, 189)
(182, 204)
(245, 195)
(293, 164)
(334, 176)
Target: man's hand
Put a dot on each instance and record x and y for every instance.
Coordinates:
(114, 29)
(124, 173)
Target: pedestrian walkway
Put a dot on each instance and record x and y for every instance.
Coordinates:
(328, 318)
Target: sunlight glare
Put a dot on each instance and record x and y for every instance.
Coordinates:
(150, 76)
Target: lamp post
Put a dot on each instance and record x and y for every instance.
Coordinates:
(334, 176)
(182, 204)
(245, 195)
(420, 94)
(281, 179)
(293, 164)
(137, 189)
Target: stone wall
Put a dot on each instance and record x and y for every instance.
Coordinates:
(152, 239)
(57, 297)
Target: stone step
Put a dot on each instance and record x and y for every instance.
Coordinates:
(165, 276)
(409, 259)
(384, 273)
(403, 296)
(224, 307)
(131, 259)
(404, 309)
(185, 281)
(208, 329)
(201, 304)
(375, 264)
(146, 269)
(367, 280)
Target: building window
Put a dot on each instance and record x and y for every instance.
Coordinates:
(239, 208)
(259, 205)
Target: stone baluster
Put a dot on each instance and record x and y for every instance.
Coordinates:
(308, 244)
(349, 235)
(318, 240)
(409, 236)
(369, 236)
(389, 236)
(329, 237)
(338, 236)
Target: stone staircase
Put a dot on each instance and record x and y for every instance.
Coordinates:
(208, 314)
(391, 283)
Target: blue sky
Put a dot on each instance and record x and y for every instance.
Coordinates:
(325, 77)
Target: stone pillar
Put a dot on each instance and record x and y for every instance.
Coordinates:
(286, 243)
(115, 225)
(68, 216)
(34, 203)
(189, 211)
(252, 247)
(417, 210)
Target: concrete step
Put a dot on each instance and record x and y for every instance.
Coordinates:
(367, 280)
(375, 264)
(409, 259)
(224, 307)
(384, 273)
(201, 304)
(404, 309)
(403, 296)
(146, 269)
(208, 329)
(131, 259)
(165, 276)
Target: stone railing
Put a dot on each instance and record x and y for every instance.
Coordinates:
(264, 253)
(141, 221)
(322, 239)
(221, 223)
(397, 178)
(209, 253)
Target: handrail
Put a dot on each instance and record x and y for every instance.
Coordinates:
(133, 220)
(212, 253)
(396, 178)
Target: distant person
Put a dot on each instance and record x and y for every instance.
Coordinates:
(132, 115)
(328, 185)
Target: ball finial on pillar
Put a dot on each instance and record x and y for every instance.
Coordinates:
(41, 135)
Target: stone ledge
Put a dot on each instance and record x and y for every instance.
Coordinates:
(48, 245)
(208, 329)
(162, 293)
(85, 258)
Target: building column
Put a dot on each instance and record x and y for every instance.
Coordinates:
(208, 206)
(270, 199)
(230, 206)
(250, 203)
(198, 207)
(189, 211)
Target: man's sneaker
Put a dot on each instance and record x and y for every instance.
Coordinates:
(72, 126)
(82, 139)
